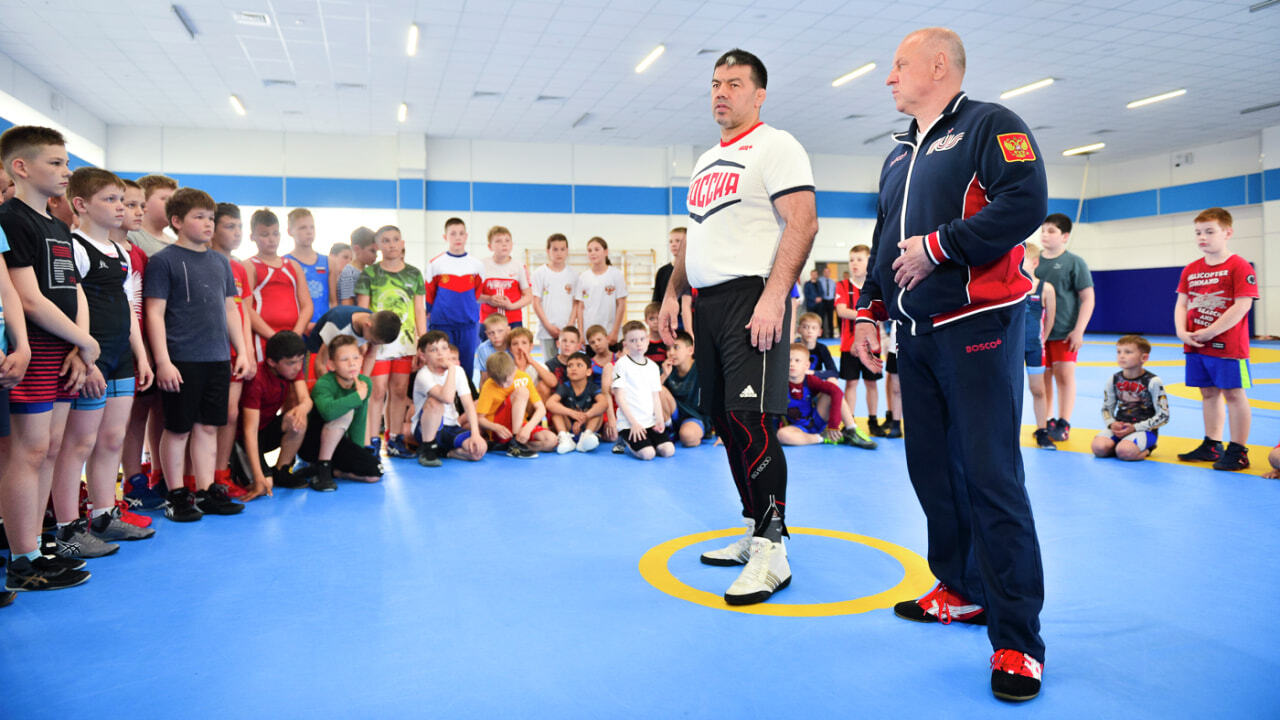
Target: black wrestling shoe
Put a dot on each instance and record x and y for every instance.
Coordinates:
(180, 506)
(215, 501)
(1015, 676)
(1043, 441)
(1207, 451)
(1235, 457)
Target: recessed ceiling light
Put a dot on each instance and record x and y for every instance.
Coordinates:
(1026, 88)
(852, 74)
(403, 113)
(1157, 98)
(257, 19)
(654, 54)
(1084, 149)
(411, 47)
(237, 105)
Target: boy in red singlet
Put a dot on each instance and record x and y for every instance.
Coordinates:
(281, 300)
(227, 234)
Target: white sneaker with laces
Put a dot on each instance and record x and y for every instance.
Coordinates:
(588, 441)
(736, 553)
(766, 572)
(566, 443)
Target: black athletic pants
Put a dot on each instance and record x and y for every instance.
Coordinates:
(962, 393)
(744, 392)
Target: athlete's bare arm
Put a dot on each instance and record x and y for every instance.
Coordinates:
(800, 214)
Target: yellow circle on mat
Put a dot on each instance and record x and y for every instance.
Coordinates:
(916, 577)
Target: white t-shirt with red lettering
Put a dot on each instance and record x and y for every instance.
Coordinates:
(1210, 290)
(735, 230)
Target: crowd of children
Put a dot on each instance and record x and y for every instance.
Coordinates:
(137, 333)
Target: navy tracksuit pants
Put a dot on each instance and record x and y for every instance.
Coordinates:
(962, 400)
(464, 337)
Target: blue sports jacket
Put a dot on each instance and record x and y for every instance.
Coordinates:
(974, 188)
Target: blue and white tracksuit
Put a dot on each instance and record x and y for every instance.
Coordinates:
(974, 188)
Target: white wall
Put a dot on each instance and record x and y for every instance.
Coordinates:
(27, 100)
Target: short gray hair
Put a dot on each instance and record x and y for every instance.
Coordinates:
(946, 41)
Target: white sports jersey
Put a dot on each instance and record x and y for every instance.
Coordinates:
(554, 289)
(735, 230)
(599, 295)
(638, 381)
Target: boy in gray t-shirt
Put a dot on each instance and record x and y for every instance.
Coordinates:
(190, 302)
(1073, 288)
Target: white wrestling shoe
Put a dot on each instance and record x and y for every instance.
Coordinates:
(737, 553)
(766, 572)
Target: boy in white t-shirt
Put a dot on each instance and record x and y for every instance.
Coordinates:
(553, 288)
(637, 385)
(439, 385)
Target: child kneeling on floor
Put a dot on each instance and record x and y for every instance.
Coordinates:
(816, 408)
(1133, 405)
(334, 443)
(637, 390)
(438, 386)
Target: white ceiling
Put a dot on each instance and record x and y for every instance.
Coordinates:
(131, 63)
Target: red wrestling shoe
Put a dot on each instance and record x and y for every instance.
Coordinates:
(1015, 676)
(943, 605)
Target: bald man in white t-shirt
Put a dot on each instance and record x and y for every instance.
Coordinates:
(753, 220)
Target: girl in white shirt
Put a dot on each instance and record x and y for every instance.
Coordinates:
(601, 295)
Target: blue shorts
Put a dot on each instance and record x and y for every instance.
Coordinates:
(448, 437)
(678, 422)
(1145, 440)
(1224, 373)
(1034, 358)
(122, 387)
(812, 423)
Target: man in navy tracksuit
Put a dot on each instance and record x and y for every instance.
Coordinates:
(960, 191)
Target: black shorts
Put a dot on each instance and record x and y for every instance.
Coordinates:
(270, 435)
(4, 412)
(202, 397)
(851, 368)
(735, 375)
(652, 438)
(891, 363)
(348, 457)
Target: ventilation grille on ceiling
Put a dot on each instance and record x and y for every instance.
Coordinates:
(549, 98)
(277, 82)
(1103, 131)
(854, 116)
(875, 138)
(1038, 128)
(257, 19)
(348, 86)
(582, 119)
(480, 94)
(707, 51)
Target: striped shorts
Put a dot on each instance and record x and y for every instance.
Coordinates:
(40, 387)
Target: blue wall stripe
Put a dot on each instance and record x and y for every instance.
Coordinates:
(1198, 196)
(1255, 189)
(1120, 207)
(339, 192)
(521, 197)
(837, 204)
(449, 195)
(613, 199)
(239, 189)
(1271, 185)
(679, 201)
(412, 193)
(1066, 206)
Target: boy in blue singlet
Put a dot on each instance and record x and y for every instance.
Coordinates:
(302, 228)
(816, 408)
(1041, 305)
